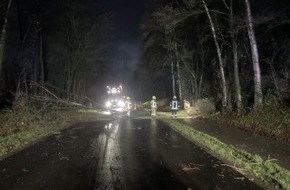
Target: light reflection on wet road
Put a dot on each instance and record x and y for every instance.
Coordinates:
(146, 154)
(121, 154)
(108, 171)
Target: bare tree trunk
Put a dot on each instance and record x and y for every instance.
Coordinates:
(286, 75)
(178, 70)
(233, 34)
(173, 78)
(23, 77)
(237, 78)
(193, 78)
(69, 74)
(204, 53)
(42, 80)
(200, 85)
(73, 83)
(19, 21)
(68, 66)
(2, 47)
(194, 83)
(274, 75)
(223, 80)
(255, 58)
(41, 61)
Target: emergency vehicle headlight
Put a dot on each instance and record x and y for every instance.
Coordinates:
(108, 104)
(121, 103)
(114, 90)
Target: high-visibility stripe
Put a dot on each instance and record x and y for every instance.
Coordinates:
(174, 104)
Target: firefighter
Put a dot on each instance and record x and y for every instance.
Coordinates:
(174, 107)
(186, 106)
(153, 104)
(128, 105)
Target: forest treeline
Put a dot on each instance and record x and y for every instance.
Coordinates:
(234, 52)
(51, 47)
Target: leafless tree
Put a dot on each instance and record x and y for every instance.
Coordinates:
(255, 58)
(219, 54)
(233, 30)
(82, 50)
(5, 8)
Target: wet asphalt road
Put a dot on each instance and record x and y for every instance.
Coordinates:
(120, 154)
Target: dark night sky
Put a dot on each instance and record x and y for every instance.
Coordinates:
(127, 36)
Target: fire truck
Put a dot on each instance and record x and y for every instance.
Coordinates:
(115, 102)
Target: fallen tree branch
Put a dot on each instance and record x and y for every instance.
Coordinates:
(56, 98)
(45, 89)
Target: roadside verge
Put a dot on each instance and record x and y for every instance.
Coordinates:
(265, 170)
(20, 130)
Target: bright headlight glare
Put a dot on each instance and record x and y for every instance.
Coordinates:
(108, 104)
(121, 103)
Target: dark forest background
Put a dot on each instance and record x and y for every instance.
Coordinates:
(60, 47)
(179, 43)
(55, 46)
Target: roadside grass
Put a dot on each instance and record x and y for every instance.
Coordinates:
(26, 122)
(89, 110)
(267, 170)
(272, 121)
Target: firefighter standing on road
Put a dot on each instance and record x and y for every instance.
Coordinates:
(153, 104)
(128, 106)
(174, 107)
(186, 105)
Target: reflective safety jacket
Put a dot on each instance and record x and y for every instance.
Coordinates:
(153, 104)
(128, 105)
(174, 104)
